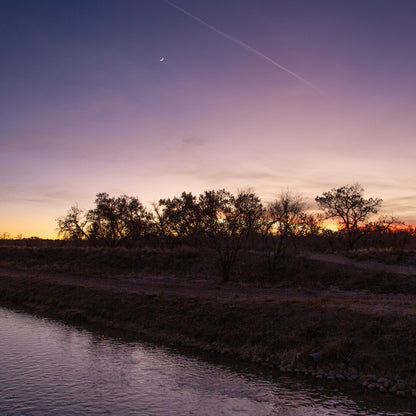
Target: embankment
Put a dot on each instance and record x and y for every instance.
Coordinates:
(352, 339)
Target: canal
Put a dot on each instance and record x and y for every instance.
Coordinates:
(47, 368)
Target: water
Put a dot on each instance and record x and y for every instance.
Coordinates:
(51, 369)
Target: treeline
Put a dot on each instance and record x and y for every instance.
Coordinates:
(228, 223)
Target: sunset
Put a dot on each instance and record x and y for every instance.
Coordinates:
(208, 207)
(153, 98)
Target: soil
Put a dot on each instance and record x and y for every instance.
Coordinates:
(369, 265)
(362, 301)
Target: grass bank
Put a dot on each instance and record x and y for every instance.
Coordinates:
(362, 337)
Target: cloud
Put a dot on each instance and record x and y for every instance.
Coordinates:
(192, 143)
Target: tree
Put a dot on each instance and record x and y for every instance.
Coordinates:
(348, 205)
(113, 221)
(118, 220)
(227, 223)
(179, 217)
(388, 231)
(282, 220)
(74, 225)
(310, 223)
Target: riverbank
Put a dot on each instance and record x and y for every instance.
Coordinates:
(355, 335)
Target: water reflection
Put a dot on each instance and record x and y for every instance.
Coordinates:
(51, 369)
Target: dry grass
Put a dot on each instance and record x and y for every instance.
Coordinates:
(285, 329)
(367, 320)
(192, 263)
(385, 255)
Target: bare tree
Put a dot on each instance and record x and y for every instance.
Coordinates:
(117, 221)
(348, 205)
(282, 219)
(227, 222)
(161, 222)
(113, 221)
(310, 223)
(179, 217)
(387, 230)
(385, 223)
(74, 225)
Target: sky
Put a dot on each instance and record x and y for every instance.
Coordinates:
(151, 98)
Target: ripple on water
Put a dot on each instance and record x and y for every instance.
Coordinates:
(51, 369)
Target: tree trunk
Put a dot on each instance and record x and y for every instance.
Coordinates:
(226, 267)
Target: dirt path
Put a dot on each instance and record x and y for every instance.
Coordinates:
(359, 301)
(364, 264)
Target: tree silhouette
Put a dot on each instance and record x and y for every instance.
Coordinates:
(113, 221)
(282, 220)
(348, 205)
(179, 217)
(74, 225)
(117, 221)
(227, 222)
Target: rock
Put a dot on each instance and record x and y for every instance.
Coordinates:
(393, 389)
(361, 379)
(353, 370)
(387, 383)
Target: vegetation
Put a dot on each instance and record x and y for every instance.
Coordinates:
(348, 205)
(283, 219)
(355, 335)
(229, 224)
(113, 221)
(236, 236)
(225, 273)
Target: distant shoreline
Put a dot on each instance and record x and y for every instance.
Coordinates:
(358, 336)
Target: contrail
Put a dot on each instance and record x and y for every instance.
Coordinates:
(244, 45)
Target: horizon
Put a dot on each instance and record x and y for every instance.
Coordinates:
(154, 98)
(327, 222)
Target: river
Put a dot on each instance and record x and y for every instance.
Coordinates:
(47, 368)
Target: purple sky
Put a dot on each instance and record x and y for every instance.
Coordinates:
(87, 105)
